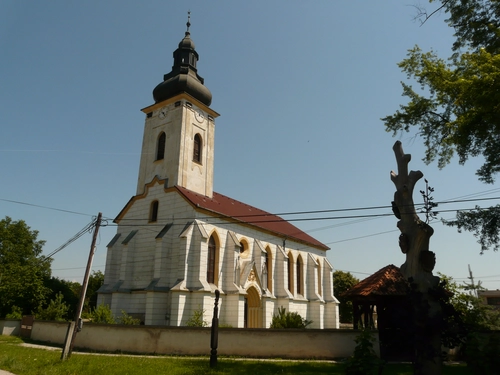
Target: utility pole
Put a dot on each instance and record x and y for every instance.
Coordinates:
(472, 286)
(75, 326)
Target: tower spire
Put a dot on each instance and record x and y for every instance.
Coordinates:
(184, 76)
(188, 23)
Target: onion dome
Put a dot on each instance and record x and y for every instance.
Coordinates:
(184, 76)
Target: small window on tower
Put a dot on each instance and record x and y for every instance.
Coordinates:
(160, 149)
(153, 212)
(197, 149)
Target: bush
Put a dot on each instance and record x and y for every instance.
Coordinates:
(101, 314)
(197, 319)
(483, 352)
(17, 313)
(287, 319)
(56, 310)
(364, 360)
(127, 319)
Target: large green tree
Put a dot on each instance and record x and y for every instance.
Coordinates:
(456, 107)
(342, 282)
(22, 268)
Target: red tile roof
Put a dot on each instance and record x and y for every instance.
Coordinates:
(388, 281)
(230, 208)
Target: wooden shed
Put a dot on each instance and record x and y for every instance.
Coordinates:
(384, 295)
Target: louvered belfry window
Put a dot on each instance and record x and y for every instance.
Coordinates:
(160, 149)
(197, 149)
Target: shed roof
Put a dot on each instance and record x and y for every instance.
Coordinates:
(388, 281)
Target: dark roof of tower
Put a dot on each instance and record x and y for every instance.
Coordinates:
(184, 76)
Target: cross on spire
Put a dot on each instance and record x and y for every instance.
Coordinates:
(188, 23)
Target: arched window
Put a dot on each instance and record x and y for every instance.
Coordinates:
(153, 211)
(197, 148)
(244, 249)
(298, 276)
(211, 260)
(319, 278)
(160, 146)
(290, 272)
(269, 269)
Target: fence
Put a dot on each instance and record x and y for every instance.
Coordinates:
(257, 343)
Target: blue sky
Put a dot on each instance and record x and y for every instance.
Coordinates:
(300, 86)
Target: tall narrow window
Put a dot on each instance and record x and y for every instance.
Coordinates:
(211, 260)
(319, 278)
(299, 275)
(197, 149)
(160, 147)
(153, 211)
(290, 273)
(269, 268)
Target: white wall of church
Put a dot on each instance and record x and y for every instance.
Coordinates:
(171, 269)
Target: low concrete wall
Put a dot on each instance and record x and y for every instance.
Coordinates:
(258, 343)
(10, 327)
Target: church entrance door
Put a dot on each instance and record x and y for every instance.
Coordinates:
(253, 309)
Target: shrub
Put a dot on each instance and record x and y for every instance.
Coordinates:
(17, 313)
(287, 319)
(364, 360)
(197, 319)
(101, 314)
(56, 310)
(483, 352)
(127, 319)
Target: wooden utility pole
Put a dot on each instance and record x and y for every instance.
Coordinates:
(75, 325)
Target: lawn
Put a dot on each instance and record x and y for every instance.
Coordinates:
(30, 361)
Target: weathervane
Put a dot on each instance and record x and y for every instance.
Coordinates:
(188, 23)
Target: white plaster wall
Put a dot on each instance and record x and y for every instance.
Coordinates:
(10, 327)
(260, 343)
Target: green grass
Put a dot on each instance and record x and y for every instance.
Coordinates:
(30, 361)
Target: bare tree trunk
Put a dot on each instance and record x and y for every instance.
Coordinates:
(414, 242)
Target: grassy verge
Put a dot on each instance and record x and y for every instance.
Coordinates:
(29, 361)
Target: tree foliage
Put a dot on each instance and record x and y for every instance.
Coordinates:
(70, 291)
(22, 268)
(342, 282)
(456, 108)
(473, 314)
(96, 280)
(101, 314)
(57, 309)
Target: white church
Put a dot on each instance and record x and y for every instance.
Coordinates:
(178, 241)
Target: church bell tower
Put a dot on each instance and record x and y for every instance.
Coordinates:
(178, 143)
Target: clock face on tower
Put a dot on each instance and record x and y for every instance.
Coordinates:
(199, 116)
(163, 113)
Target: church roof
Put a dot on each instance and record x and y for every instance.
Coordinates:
(229, 208)
(388, 281)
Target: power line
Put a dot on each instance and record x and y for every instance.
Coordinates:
(44, 207)
(313, 212)
(84, 230)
